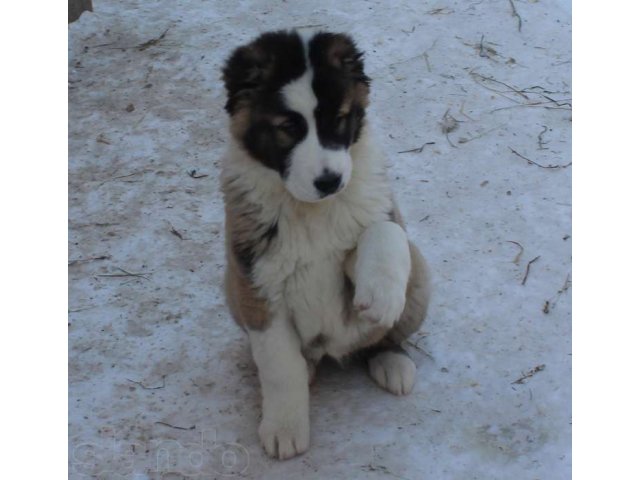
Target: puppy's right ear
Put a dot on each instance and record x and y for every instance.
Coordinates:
(266, 64)
(245, 72)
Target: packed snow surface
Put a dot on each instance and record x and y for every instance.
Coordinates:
(161, 380)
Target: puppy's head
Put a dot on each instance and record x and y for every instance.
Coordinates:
(297, 105)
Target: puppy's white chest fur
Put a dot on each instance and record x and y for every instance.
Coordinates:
(303, 271)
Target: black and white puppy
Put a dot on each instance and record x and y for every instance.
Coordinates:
(318, 260)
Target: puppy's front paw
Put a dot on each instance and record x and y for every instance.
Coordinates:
(393, 371)
(379, 302)
(284, 436)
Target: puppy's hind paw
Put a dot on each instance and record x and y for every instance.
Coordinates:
(393, 370)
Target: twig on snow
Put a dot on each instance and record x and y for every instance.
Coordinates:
(484, 51)
(176, 233)
(476, 76)
(82, 309)
(192, 427)
(514, 13)
(440, 11)
(551, 303)
(531, 162)
(425, 55)
(419, 149)
(462, 112)
(486, 132)
(516, 260)
(449, 124)
(419, 348)
(119, 177)
(90, 259)
(540, 142)
(481, 52)
(101, 139)
(381, 468)
(148, 388)
(486, 82)
(152, 42)
(192, 174)
(97, 224)
(526, 272)
(544, 105)
(126, 274)
(529, 374)
(567, 284)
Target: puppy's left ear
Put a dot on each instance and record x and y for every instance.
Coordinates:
(339, 52)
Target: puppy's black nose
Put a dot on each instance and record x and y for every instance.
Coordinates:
(327, 183)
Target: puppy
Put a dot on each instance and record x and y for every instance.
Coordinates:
(318, 260)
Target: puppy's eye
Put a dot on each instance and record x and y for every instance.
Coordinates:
(285, 125)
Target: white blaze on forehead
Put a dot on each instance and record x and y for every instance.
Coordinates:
(309, 160)
(299, 96)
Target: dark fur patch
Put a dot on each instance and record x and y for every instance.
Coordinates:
(318, 342)
(349, 293)
(248, 249)
(262, 67)
(273, 133)
(254, 76)
(341, 87)
(271, 232)
(248, 237)
(245, 255)
(245, 303)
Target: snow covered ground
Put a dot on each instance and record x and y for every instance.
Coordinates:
(161, 382)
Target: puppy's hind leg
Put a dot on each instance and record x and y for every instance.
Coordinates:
(418, 296)
(389, 365)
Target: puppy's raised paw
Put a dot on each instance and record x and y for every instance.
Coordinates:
(378, 302)
(393, 370)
